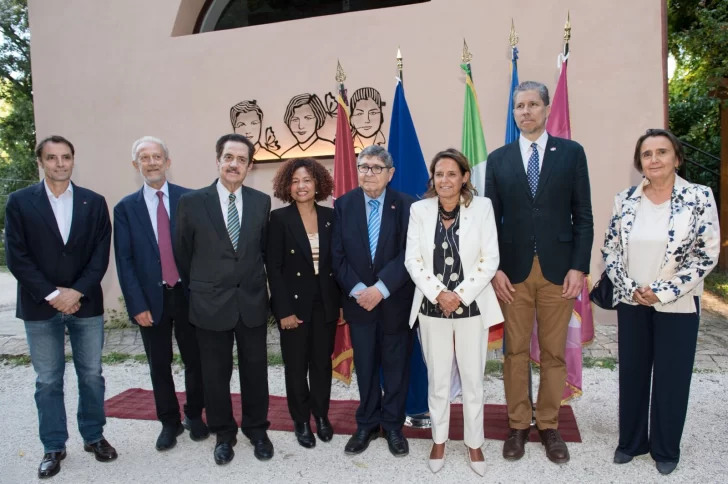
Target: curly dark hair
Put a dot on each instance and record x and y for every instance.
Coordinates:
(321, 176)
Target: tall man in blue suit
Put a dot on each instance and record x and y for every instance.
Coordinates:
(57, 241)
(368, 244)
(155, 296)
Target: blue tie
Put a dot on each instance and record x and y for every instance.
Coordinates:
(233, 224)
(373, 227)
(532, 172)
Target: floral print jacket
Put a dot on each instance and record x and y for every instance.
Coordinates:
(692, 249)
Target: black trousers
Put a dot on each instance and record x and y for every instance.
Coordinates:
(216, 353)
(306, 352)
(660, 347)
(374, 349)
(157, 341)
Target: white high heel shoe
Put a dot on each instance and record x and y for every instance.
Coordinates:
(436, 464)
(477, 466)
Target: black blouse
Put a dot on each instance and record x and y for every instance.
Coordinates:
(448, 269)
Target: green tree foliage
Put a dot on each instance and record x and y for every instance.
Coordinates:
(17, 127)
(698, 40)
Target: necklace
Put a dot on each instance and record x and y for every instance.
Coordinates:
(445, 215)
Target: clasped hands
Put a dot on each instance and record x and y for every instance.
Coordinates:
(368, 298)
(645, 296)
(448, 301)
(67, 302)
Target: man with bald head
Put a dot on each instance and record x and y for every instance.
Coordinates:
(154, 293)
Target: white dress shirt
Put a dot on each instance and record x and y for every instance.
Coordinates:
(62, 207)
(152, 201)
(225, 201)
(526, 149)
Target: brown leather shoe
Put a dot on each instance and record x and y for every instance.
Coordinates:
(556, 449)
(514, 446)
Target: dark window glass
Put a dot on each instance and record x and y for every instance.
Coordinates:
(244, 13)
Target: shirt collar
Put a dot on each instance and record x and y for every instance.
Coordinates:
(380, 198)
(150, 193)
(541, 142)
(50, 193)
(224, 193)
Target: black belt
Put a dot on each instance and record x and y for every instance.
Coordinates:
(168, 287)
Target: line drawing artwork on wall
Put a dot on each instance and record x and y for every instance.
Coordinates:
(366, 118)
(305, 118)
(246, 118)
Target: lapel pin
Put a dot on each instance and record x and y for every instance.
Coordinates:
(328, 223)
(553, 148)
(84, 202)
(392, 206)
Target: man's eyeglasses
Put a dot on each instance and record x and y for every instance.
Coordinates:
(376, 169)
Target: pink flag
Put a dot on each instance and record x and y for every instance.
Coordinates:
(581, 325)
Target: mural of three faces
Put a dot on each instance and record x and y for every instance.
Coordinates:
(312, 124)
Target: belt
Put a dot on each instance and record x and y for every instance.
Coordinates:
(168, 287)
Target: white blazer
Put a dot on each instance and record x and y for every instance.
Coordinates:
(478, 239)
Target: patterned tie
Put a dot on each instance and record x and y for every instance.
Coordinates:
(233, 224)
(164, 240)
(532, 172)
(373, 227)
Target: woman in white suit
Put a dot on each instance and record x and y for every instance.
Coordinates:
(452, 255)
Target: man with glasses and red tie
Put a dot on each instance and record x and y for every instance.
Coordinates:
(153, 291)
(368, 248)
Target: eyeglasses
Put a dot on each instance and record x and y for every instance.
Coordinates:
(376, 169)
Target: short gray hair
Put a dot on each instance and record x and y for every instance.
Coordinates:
(376, 151)
(543, 91)
(148, 139)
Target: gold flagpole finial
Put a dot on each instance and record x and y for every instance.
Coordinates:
(467, 56)
(513, 37)
(400, 64)
(567, 28)
(340, 74)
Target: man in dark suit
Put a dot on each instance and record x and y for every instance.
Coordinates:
(220, 247)
(539, 187)
(57, 241)
(154, 295)
(368, 244)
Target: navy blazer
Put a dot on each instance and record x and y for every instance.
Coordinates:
(353, 263)
(41, 262)
(558, 219)
(137, 252)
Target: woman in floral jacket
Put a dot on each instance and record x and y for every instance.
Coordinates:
(662, 240)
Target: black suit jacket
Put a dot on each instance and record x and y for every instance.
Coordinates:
(137, 252)
(290, 265)
(559, 217)
(225, 284)
(41, 262)
(353, 263)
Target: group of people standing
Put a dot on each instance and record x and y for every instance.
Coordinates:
(207, 266)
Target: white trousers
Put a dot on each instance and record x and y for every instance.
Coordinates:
(467, 340)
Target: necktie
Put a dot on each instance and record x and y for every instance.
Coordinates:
(373, 227)
(233, 224)
(164, 240)
(532, 172)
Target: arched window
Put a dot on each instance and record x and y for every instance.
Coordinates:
(232, 14)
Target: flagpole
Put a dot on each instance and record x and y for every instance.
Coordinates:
(513, 40)
(340, 78)
(567, 35)
(400, 65)
(467, 57)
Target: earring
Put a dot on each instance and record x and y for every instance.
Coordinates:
(464, 185)
(316, 192)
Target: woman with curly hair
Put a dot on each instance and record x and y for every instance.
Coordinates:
(304, 295)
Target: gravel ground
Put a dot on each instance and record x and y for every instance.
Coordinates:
(704, 444)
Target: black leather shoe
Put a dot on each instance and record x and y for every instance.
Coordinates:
(51, 464)
(359, 442)
(324, 430)
(398, 445)
(263, 448)
(665, 468)
(168, 436)
(224, 452)
(515, 445)
(304, 435)
(197, 428)
(103, 451)
(621, 457)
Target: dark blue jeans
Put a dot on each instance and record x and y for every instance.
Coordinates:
(46, 343)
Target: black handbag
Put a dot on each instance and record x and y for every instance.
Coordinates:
(603, 291)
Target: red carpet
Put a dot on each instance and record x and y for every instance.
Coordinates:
(138, 404)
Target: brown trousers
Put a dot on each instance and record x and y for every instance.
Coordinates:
(532, 296)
